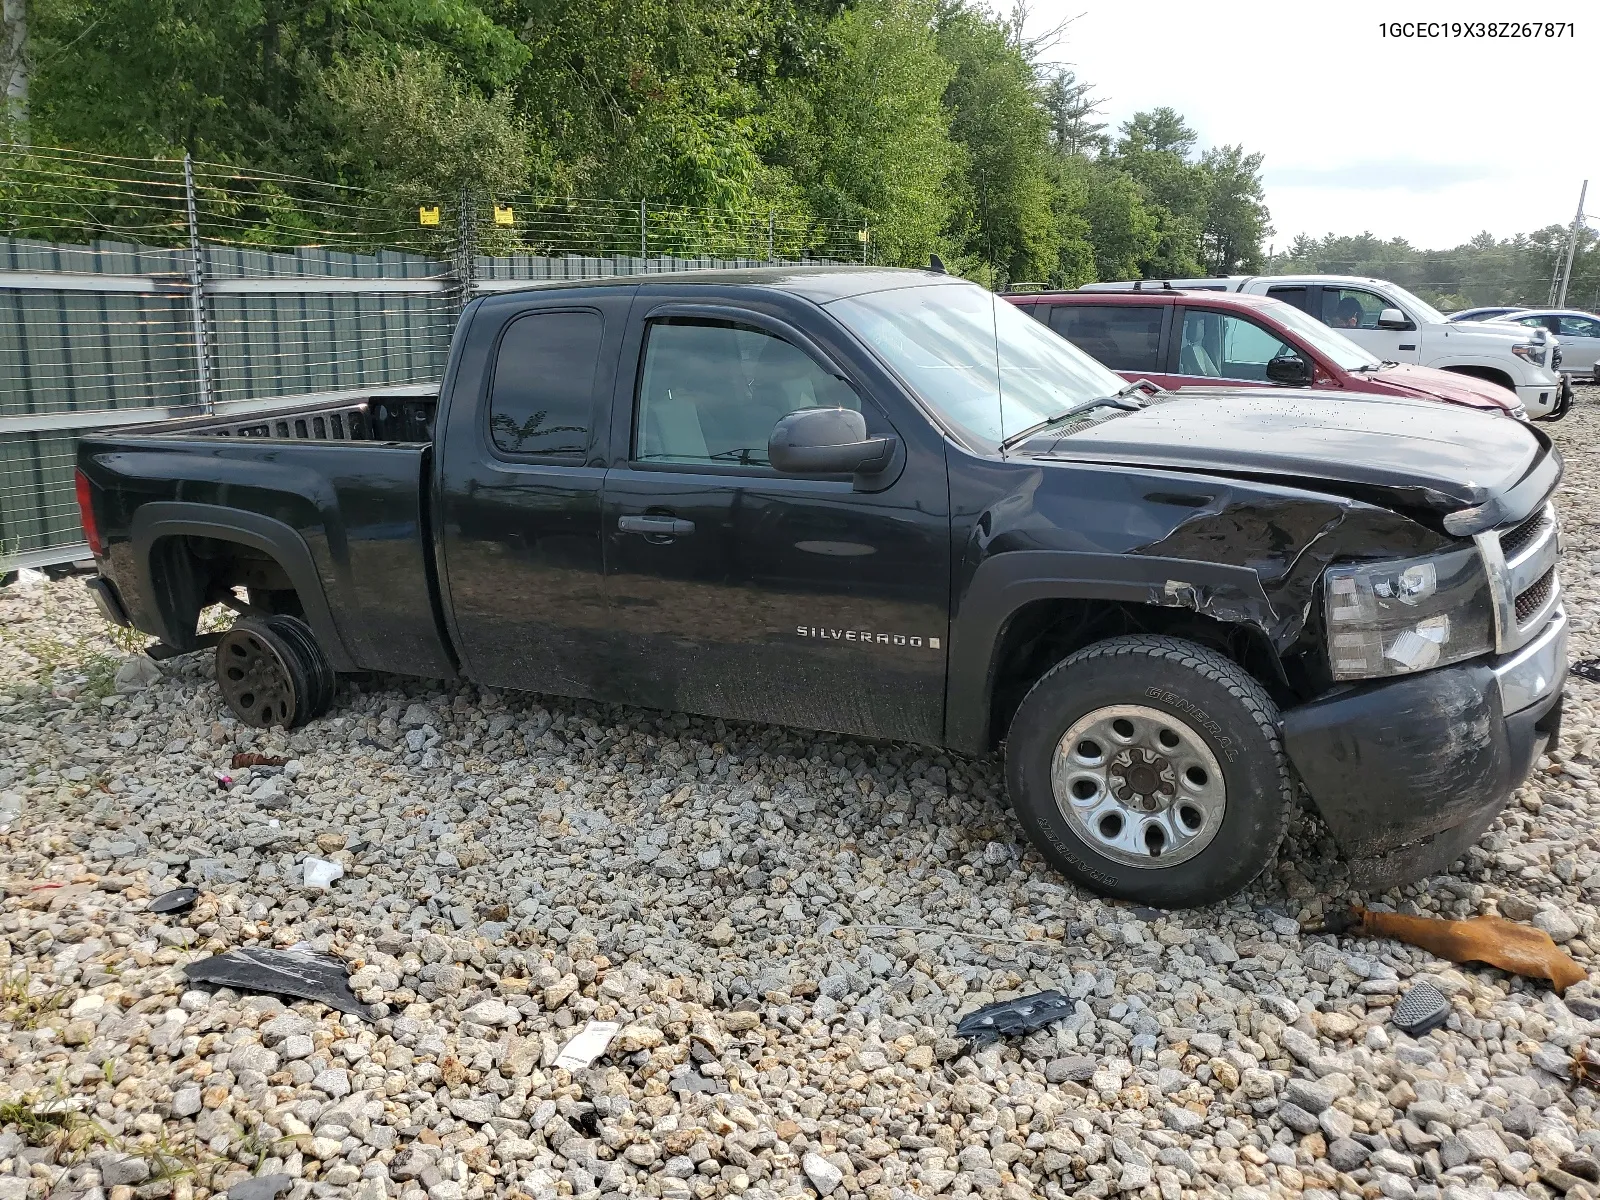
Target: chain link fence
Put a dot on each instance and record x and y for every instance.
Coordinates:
(135, 290)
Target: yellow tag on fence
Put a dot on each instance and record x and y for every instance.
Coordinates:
(503, 216)
(863, 236)
(428, 216)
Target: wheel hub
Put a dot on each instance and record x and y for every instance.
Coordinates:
(1138, 786)
(1142, 779)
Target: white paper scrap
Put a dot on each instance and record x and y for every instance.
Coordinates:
(589, 1045)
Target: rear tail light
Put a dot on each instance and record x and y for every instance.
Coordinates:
(91, 532)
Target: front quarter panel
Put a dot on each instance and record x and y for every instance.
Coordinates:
(1241, 553)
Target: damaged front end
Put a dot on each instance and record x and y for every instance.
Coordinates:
(1411, 759)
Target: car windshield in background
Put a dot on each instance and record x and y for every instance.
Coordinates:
(1421, 307)
(988, 369)
(1329, 342)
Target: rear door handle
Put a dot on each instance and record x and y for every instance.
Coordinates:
(655, 526)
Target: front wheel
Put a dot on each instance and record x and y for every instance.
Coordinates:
(1149, 768)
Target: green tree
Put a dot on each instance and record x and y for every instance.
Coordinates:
(1003, 212)
(1236, 219)
(1070, 104)
(866, 137)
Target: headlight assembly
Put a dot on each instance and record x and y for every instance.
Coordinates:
(1532, 352)
(1392, 618)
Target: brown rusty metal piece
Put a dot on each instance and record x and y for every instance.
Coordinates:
(246, 759)
(1520, 949)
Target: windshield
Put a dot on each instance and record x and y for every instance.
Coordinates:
(1330, 342)
(986, 367)
(1421, 308)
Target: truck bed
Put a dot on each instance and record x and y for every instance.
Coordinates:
(330, 501)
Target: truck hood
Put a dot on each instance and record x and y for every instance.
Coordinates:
(1430, 383)
(1396, 452)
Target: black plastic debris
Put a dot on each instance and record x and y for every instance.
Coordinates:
(303, 974)
(1585, 668)
(1012, 1018)
(176, 900)
(1422, 1008)
(261, 1187)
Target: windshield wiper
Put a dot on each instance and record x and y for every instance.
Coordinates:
(1388, 362)
(1123, 400)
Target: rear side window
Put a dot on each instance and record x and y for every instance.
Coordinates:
(542, 398)
(1125, 337)
(1298, 296)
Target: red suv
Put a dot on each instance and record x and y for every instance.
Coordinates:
(1179, 338)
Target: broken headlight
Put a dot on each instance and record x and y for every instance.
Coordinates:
(1392, 618)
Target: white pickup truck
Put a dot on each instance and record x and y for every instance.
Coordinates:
(1396, 326)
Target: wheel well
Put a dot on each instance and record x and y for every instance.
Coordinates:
(191, 573)
(1487, 374)
(1042, 633)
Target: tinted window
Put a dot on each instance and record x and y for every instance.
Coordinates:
(1351, 308)
(542, 399)
(1298, 296)
(1222, 346)
(1585, 327)
(712, 391)
(1126, 337)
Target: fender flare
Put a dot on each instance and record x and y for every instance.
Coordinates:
(173, 518)
(1004, 584)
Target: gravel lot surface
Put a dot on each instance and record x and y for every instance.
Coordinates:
(785, 925)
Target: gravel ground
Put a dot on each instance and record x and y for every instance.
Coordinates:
(786, 925)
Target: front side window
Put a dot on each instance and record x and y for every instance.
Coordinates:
(711, 392)
(1125, 337)
(1584, 327)
(542, 398)
(984, 368)
(1222, 346)
(1328, 342)
(1352, 308)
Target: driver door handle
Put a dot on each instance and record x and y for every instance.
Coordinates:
(655, 526)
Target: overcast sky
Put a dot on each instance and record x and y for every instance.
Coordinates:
(1433, 141)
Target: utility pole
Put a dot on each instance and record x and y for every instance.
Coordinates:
(1572, 246)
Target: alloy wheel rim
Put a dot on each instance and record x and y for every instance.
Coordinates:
(1139, 786)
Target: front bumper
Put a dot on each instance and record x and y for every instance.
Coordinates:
(1547, 401)
(1409, 772)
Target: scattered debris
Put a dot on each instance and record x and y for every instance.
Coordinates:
(246, 759)
(1585, 668)
(1520, 949)
(176, 900)
(692, 1081)
(1010, 1018)
(261, 1187)
(135, 674)
(588, 1045)
(304, 975)
(224, 781)
(10, 809)
(320, 872)
(1422, 1008)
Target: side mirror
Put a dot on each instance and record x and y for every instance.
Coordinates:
(827, 441)
(1290, 370)
(1393, 318)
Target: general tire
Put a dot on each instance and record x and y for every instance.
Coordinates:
(1211, 696)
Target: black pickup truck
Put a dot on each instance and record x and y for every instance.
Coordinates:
(884, 503)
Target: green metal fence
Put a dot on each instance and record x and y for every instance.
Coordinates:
(136, 290)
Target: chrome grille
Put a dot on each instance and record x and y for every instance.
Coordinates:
(1523, 584)
(1532, 601)
(1515, 540)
